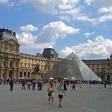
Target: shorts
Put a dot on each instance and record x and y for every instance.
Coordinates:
(49, 93)
(60, 96)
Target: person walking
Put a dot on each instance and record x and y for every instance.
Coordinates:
(29, 85)
(23, 84)
(11, 85)
(65, 86)
(33, 85)
(51, 93)
(73, 85)
(39, 85)
(61, 93)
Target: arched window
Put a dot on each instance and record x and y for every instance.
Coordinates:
(10, 74)
(108, 77)
(3, 76)
(20, 74)
(52, 56)
(25, 74)
(102, 77)
(45, 75)
(28, 74)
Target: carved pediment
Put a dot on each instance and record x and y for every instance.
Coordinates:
(11, 42)
(10, 46)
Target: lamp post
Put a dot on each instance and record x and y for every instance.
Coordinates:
(108, 64)
(108, 73)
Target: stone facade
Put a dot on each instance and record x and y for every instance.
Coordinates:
(102, 67)
(14, 64)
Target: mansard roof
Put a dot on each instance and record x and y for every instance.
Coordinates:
(6, 34)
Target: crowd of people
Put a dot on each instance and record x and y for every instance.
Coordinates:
(60, 85)
(28, 84)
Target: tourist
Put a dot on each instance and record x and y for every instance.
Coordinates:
(11, 85)
(33, 85)
(0, 81)
(61, 92)
(40, 85)
(73, 85)
(65, 86)
(105, 84)
(50, 93)
(29, 85)
(23, 84)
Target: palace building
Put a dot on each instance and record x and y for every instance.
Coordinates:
(14, 64)
(102, 67)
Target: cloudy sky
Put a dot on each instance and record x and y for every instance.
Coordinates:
(80, 26)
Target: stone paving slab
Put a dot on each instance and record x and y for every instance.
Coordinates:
(84, 99)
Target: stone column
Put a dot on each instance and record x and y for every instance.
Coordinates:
(15, 73)
(8, 62)
(1, 62)
(18, 68)
(7, 73)
(1, 73)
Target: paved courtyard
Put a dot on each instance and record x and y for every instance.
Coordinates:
(84, 99)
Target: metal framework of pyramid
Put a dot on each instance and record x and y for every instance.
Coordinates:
(71, 67)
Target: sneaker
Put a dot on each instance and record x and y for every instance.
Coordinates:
(59, 105)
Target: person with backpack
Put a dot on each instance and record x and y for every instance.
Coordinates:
(51, 93)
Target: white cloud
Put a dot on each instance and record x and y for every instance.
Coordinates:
(67, 18)
(52, 31)
(64, 9)
(7, 3)
(105, 10)
(105, 7)
(28, 41)
(88, 2)
(65, 52)
(47, 36)
(100, 48)
(4, 1)
(103, 3)
(26, 38)
(88, 34)
(105, 18)
(73, 12)
(52, 6)
(28, 28)
(87, 19)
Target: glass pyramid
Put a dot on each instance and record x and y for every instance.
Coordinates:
(71, 67)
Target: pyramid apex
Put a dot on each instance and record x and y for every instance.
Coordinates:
(72, 53)
(71, 56)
